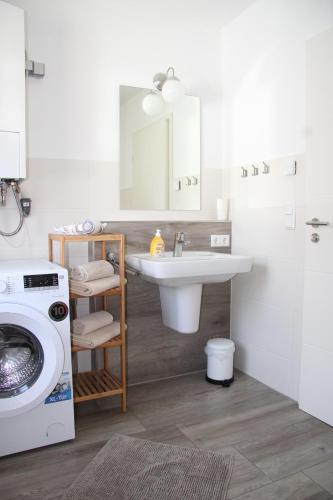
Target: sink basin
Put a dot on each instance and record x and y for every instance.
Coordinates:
(192, 267)
(180, 281)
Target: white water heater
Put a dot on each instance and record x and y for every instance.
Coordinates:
(12, 93)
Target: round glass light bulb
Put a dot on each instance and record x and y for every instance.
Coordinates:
(172, 90)
(152, 104)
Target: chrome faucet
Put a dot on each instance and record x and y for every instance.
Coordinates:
(180, 242)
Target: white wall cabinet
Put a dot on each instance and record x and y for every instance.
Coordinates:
(12, 92)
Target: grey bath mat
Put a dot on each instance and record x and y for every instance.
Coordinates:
(136, 469)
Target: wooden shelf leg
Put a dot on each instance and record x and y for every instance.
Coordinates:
(104, 250)
(104, 258)
(62, 253)
(50, 250)
(122, 326)
(123, 380)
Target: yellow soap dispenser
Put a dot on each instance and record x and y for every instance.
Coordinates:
(157, 245)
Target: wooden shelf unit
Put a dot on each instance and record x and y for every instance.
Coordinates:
(100, 383)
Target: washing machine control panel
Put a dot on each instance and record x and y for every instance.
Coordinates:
(41, 282)
(48, 282)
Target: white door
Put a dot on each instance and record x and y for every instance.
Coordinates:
(316, 382)
(31, 358)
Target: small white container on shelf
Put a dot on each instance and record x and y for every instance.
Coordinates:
(220, 361)
(222, 208)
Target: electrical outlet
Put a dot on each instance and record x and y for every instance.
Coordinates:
(220, 240)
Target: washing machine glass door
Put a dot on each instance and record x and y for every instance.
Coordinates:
(21, 359)
(31, 358)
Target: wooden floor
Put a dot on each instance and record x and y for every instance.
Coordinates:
(280, 452)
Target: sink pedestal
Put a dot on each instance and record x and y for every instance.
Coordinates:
(181, 307)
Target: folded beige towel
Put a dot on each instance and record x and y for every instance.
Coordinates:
(92, 271)
(90, 322)
(88, 288)
(98, 337)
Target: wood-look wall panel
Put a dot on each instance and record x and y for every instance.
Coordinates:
(139, 233)
(155, 351)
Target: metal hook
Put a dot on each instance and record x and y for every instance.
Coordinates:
(255, 170)
(266, 168)
(244, 172)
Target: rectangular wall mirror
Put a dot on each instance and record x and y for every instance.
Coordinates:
(159, 155)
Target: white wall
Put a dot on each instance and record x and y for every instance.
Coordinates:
(90, 47)
(263, 66)
(263, 109)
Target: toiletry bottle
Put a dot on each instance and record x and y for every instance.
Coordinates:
(157, 245)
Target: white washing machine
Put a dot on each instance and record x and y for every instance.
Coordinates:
(36, 397)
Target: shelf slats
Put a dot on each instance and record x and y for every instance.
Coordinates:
(95, 384)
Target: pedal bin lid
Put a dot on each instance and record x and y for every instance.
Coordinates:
(220, 345)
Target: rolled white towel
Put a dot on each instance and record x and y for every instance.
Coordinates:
(70, 229)
(92, 271)
(90, 322)
(98, 337)
(89, 226)
(89, 288)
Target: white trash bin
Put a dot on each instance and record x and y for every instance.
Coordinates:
(220, 361)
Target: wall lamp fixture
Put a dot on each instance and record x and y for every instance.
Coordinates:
(169, 89)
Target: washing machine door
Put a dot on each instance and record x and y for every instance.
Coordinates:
(31, 358)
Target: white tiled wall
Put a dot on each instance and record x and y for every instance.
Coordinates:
(68, 191)
(267, 303)
(264, 119)
(89, 50)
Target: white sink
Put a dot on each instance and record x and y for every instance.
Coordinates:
(180, 281)
(192, 267)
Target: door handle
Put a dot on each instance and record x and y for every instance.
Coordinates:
(316, 223)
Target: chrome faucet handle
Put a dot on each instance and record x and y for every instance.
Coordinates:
(180, 242)
(180, 237)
